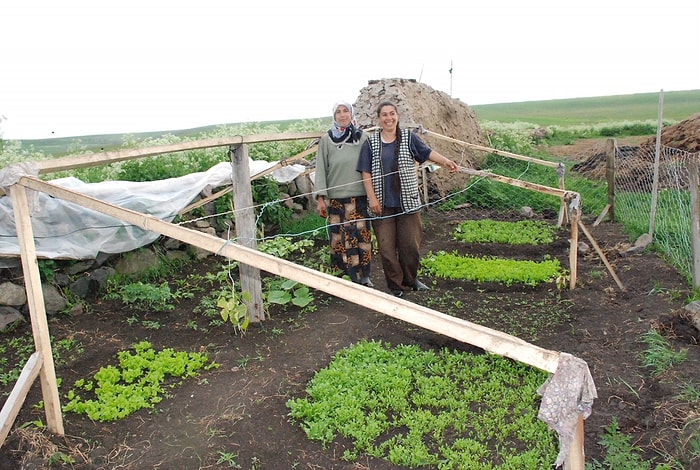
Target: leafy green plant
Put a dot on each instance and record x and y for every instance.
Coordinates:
(311, 226)
(418, 408)
(285, 291)
(522, 232)
(67, 350)
(507, 271)
(151, 324)
(620, 453)
(233, 308)
(228, 458)
(143, 296)
(659, 355)
(60, 458)
(46, 269)
(283, 247)
(137, 383)
(15, 351)
(270, 210)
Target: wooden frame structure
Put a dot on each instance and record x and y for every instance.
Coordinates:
(41, 362)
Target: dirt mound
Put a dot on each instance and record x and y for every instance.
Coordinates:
(435, 111)
(684, 136)
(636, 162)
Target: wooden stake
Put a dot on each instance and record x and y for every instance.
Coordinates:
(246, 230)
(576, 459)
(602, 256)
(14, 402)
(37, 309)
(573, 249)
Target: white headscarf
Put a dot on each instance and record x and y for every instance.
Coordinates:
(344, 135)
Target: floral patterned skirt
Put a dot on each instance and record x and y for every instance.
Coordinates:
(350, 234)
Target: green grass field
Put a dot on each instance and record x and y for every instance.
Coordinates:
(678, 105)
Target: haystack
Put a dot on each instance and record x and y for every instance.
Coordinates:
(684, 135)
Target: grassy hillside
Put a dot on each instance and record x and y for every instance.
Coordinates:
(105, 142)
(678, 105)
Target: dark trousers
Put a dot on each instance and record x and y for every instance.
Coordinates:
(399, 236)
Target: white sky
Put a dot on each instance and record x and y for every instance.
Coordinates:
(80, 67)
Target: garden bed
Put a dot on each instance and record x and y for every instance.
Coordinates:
(236, 414)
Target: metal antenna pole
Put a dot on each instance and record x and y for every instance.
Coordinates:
(450, 77)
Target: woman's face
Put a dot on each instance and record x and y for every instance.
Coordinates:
(342, 116)
(388, 118)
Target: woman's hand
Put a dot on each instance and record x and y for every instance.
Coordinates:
(374, 205)
(321, 207)
(443, 161)
(450, 165)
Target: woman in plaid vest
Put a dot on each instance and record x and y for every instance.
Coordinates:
(389, 173)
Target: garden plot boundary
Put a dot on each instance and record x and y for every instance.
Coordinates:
(41, 362)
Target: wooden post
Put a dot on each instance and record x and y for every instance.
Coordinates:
(563, 213)
(576, 459)
(37, 308)
(694, 219)
(246, 230)
(424, 179)
(657, 160)
(610, 175)
(573, 248)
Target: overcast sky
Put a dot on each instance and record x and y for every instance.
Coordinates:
(79, 67)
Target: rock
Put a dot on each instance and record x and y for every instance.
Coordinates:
(61, 279)
(81, 287)
(53, 300)
(527, 212)
(693, 309)
(8, 317)
(12, 294)
(79, 267)
(101, 276)
(136, 261)
(583, 248)
(172, 244)
(640, 244)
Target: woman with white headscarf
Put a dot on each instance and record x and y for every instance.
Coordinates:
(341, 197)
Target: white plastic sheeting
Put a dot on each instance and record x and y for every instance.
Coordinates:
(65, 230)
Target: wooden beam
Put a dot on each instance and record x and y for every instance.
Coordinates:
(602, 255)
(491, 150)
(562, 193)
(490, 340)
(14, 402)
(37, 308)
(105, 158)
(602, 215)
